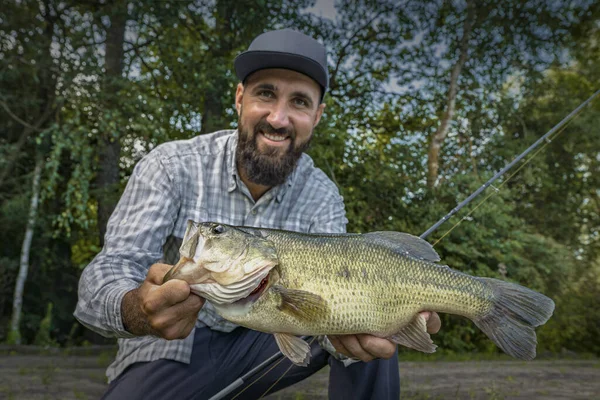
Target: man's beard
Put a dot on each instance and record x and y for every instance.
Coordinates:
(268, 168)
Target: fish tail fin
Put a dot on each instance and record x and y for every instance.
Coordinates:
(516, 312)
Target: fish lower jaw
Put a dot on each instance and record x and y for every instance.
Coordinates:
(255, 294)
(241, 292)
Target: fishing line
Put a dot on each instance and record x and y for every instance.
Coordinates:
(547, 140)
(282, 375)
(260, 377)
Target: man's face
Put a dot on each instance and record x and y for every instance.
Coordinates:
(278, 110)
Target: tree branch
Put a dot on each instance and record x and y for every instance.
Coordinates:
(440, 134)
(14, 155)
(16, 118)
(342, 53)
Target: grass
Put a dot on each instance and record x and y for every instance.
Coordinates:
(79, 395)
(105, 358)
(47, 374)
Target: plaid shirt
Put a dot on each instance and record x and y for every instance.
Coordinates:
(193, 179)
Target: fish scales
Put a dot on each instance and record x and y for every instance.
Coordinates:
(290, 283)
(391, 287)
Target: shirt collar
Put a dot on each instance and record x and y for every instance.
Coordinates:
(231, 166)
(235, 180)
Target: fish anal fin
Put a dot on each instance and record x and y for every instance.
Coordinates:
(301, 304)
(415, 336)
(404, 243)
(294, 348)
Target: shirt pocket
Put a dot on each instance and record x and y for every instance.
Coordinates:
(295, 223)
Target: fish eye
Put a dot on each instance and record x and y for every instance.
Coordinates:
(218, 229)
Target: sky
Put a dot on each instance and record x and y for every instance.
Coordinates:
(324, 8)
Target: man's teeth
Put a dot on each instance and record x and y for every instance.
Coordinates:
(275, 138)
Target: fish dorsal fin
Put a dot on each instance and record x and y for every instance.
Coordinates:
(404, 243)
(258, 232)
(301, 304)
(294, 348)
(415, 336)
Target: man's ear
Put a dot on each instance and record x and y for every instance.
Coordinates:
(239, 93)
(319, 114)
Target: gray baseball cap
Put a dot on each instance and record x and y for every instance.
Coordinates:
(287, 49)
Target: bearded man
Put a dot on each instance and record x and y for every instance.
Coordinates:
(171, 344)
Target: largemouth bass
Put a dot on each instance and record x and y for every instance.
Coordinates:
(290, 283)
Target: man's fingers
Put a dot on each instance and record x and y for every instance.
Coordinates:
(376, 346)
(353, 345)
(177, 321)
(161, 297)
(339, 346)
(157, 272)
(192, 305)
(434, 323)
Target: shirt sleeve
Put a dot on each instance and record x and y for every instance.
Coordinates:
(136, 232)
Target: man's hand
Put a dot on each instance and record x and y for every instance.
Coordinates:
(165, 310)
(368, 347)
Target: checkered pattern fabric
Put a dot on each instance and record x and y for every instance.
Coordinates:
(192, 179)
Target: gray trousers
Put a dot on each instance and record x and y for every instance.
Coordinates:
(220, 358)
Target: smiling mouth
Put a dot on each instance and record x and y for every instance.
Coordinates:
(275, 137)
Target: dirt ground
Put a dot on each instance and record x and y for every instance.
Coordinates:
(33, 376)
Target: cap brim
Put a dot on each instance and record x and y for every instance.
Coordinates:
(251, 61)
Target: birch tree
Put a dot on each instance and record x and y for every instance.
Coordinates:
(32, 118)
(14, 335)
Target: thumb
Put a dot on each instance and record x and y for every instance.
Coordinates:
(157, 272)
(426, 315)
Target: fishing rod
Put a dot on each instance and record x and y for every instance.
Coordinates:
(510, 165)
(546, 138)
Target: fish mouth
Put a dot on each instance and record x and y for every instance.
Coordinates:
(256, 293)
(229, 294)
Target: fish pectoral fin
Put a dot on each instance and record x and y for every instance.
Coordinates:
(294, 348)
(415, 336)
(301, 304)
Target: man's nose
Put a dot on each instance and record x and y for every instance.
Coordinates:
(279, 115)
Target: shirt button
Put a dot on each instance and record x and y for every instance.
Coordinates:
(254, 212)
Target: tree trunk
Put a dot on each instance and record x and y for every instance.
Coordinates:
(109, 151)
(12, 158)
(435, 144)
(213, 107)
(14, 336)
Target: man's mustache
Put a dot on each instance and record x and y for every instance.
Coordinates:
(264, 126)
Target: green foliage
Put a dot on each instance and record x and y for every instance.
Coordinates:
(13, 337)
(528, 64)
(43, 336)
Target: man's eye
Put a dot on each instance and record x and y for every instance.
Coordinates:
(266, 93)
(300, 102)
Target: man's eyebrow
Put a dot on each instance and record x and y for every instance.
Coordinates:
(267, 86)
